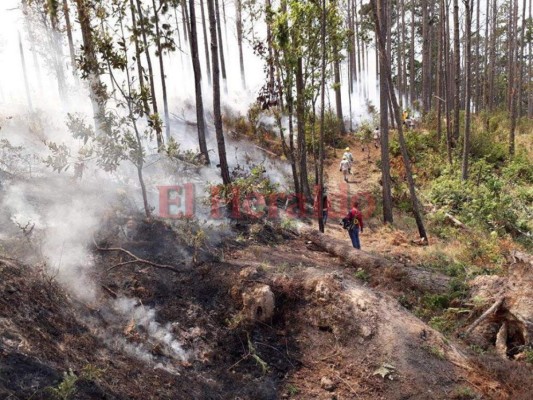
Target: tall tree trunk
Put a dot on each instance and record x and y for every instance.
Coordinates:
(200, 120)
(322, 115)
(412, 56)
(468, 86)
(155, 115)
(486, 59)
(238, 9)
(162, 70)
(439, 100)
(446, 67)
(384, 122)
(185, 18)
(521, 61)
(457, 72)
(96, 87)
(358, 40)
(268, 19)
(220, 47)
(530, 74)
(403, 147)
(206, 46)
(477, 64)
(492, 65)
(425, 57)
(513, 89)
(57, 48)
(300, 114)
(224, 168)
(24, 72)
(68, 27)
(140, 73)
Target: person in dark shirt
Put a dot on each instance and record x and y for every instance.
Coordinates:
(355, 216)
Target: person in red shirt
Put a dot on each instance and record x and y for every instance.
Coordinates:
(355, 215)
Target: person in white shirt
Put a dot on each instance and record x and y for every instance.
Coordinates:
(344, 167)
(349, 157)
(377, 137)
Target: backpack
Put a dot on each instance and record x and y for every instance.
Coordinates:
(349, 224)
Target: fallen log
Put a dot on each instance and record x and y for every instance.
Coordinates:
(413, 276)
(492, 310)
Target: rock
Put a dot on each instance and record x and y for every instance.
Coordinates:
(365, 331)
(327, 384)
(248, 273)
(259, 303)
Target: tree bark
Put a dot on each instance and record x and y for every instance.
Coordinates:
(96, 87)
(322, 114)
(221, 47)
(414, 277)
(238, 9)
(403, 147)
(140, 73)
(384, 126)
(300, 113)
(206, 46)
(158, 131)
(224, 168)
(200, 120)
(162, 70)
(457, 72)
(468, 87)
(68, 27)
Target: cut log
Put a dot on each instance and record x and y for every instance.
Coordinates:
(456, 222)
(413, 276)
(501, 341)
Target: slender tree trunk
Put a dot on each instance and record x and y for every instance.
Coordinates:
(384, 122)
(140, 73)
(224, 168)
(206, 45)
(412, 55)
(157, 125)
(24, 72)
(530, 74)
(300, 112)
(322, 122)
(96, 87)
(200, 120)
(492, 66)
(477, 64)
(486, 58)
(238, 9)
(185, 18)
(68, 27)
(446, 66)
(358, 40)
(271, 72)
(425, 56)
(57, 48)
(407, 163)
(162, 70)
(513, 89)
(521, 61)
(457, 72)
(220, 47)
(468, 86)
(510, 56)
(439, 100)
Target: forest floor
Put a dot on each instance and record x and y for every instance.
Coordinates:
(270, 315)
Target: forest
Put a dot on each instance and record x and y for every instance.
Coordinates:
(174, 175)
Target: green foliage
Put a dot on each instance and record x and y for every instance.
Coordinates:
(66, 388)
(487, 201)
(362, 274)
